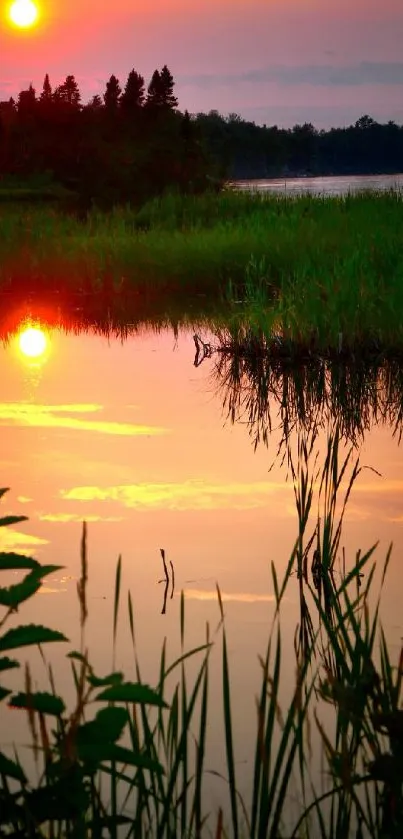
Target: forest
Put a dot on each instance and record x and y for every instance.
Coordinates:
(134, 142)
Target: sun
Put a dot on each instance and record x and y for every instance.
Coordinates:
(24, 13)
(32, 342)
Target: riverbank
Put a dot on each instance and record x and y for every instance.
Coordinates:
(309, 268)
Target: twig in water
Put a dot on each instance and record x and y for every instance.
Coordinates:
(166, 580)
(173, 579)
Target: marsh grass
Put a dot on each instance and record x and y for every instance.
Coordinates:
(317, 267)
(136, 768)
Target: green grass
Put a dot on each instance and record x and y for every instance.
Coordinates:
(313, 268)
(129, 760)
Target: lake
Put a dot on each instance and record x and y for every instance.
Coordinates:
(132, 437)
(175, 444)
(331, 185)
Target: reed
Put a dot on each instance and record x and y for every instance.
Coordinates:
(148, 745)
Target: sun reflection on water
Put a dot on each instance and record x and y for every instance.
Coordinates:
(32, 342)
(31, 346)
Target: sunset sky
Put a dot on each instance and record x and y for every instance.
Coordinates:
(272, 61)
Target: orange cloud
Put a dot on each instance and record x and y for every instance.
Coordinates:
(194, 494)
(12, 540)
(51, 416)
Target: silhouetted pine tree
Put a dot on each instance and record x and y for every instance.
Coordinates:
(132, 98)
(167, 88)
(154, 98)
(160, 90)
(8, 112)
(112, 95)
(26, 101)
(95, 104)
(68, 92)
(46, 95)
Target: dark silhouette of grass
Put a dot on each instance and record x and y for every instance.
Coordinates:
(148, 746)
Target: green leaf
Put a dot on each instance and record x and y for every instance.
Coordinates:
(45, 703)
(15, 562)
(11, 769)
(112, 679)
(23, 636)
(132, 692)
(98, 752)
(112, 721)
(78, 657)
(107, 727)
(45, 570)
(3, 693)
(7, 520)
(8, 663)
(16, 594)
(65, 799)
(10, 813)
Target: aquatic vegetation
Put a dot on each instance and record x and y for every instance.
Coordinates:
(325, 271)
(138, 764)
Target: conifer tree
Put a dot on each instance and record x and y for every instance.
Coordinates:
(46, 95)
(132, 98)
(112, 94)
(68, 92)
(167, 88)
(95, 104)
(160, 90)
(27, 101)
(154, 99)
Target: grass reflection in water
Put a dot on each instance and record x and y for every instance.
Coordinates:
(127, 757)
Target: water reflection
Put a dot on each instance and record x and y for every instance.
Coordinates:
(111, 312)
(262, 384)
(168, 580)
(32, 342)
(268, 390)
(200, 491)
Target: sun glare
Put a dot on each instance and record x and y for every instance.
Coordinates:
(23, 13)
(32, 342)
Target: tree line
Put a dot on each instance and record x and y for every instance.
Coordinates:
(133, 142)
(126, 145)
(248, 150)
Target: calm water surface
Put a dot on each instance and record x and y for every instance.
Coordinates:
(133, 438)
(332, 185)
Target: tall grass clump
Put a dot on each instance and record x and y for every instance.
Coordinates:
(130, 760)
(123, 766)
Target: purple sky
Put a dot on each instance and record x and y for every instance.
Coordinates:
(272, 61)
